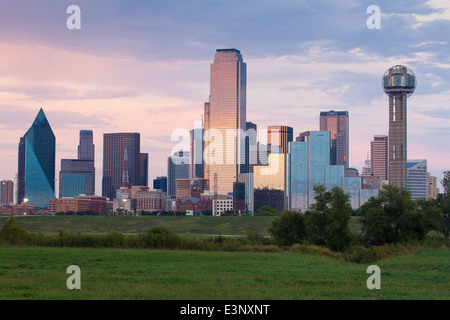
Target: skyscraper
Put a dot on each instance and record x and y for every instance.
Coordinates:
(309, 165)
(160, 183)
(279, 136)
(143, 170)
(7, 192)
(77, 176)
(337, 122)
(224, 132)
(399, 82)
(114, 145)
(177, 168)
(379, 157)
(37, 163)
(86, 148)
(196, 164)
(416, 178)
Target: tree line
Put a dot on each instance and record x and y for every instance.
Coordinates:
(390, 217)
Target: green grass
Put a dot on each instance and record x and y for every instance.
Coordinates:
(40, 273)
(185, 225)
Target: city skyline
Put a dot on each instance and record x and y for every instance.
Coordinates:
(81, 85)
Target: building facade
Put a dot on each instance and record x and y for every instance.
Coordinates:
(36, 167)
(399, 82)
(7, 192)
(225, 137)
(114, 146)
(416, 178)
(337, 122)
(279, 137)
(177, 168)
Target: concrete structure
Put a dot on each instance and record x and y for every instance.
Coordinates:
(221, 206)
(399, 82)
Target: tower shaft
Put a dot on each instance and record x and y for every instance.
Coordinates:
(397, 140)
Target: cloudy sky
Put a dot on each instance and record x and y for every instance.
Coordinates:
(143, 66)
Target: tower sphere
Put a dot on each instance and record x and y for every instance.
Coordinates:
(399, 79)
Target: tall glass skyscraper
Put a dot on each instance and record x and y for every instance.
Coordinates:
(224, 132)
(37, 163)
(309, 165)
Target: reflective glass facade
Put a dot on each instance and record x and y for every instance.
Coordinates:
(37, 159)
(309, 166)
(224, 132)
(270, 183)
(417, 182)
(69, 178)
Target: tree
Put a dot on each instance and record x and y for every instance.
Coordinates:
(267, 211)
(328, 220)
(288, 228)
(393, 216)
(443, 203)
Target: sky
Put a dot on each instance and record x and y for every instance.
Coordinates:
(143, 66)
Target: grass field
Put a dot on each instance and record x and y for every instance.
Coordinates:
(40, 273)
(185, 225)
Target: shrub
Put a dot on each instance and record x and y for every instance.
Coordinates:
(360, 254)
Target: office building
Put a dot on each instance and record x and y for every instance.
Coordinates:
(76, 177)
(121, 160)
(197, 166)
(270, 183)
(278, 137)
(7, 192)
(177, 168)
(150, 200)
(36, 165)
(86, 147)
(399, 82)
(143, 170)
(379, 156)
(337, 122)
(416, 178)
(226, 123)
(432, 189)
(160, 183)
(309, 165)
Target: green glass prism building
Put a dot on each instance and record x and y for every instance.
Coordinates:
(36, 175)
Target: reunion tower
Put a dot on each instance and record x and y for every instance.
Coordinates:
(399, 82)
